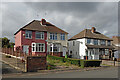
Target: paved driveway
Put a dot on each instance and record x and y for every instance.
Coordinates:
(6, 69)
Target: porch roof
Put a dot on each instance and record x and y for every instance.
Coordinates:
(100, 46)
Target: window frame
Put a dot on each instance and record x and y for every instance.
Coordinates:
(90, 40)
(38, 48)
(41, 35)
(109, 43)
(53, 36)
(94, 42)
(62, 36)
(101, 42)
(28, 32)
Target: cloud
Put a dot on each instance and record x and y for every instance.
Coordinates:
(72, 17)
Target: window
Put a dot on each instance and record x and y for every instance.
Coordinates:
(109, 43)
(53, 36)
(73, 43)
(62, 36)
(39, 35)
(38, 47)
(28, 34)
(103, 42)
(33, 47)
(95, 42)
(88, 41)
(55, 48)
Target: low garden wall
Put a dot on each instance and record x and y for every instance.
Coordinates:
(79, 62)
(35, 63)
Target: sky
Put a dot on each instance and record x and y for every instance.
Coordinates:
(72, 17)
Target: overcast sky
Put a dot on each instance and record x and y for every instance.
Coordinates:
(72, 17)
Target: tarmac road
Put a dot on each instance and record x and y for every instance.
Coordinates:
(110, 72)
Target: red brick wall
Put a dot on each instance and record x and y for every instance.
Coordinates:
(35, 63)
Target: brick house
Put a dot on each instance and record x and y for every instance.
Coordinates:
(40, 38)
(90, 44)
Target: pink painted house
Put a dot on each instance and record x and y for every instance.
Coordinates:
(40, 38)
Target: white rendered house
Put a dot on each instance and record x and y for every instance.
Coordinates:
(90, 44)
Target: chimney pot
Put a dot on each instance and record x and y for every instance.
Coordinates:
(93, 29)
(43, 21)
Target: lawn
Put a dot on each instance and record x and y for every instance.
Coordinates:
(57, 64)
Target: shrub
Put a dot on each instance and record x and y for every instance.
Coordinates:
(91, 63)
(8, 56)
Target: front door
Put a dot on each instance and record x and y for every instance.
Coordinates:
(64, 51)
(26, 49)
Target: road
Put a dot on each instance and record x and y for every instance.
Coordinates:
(111, 72)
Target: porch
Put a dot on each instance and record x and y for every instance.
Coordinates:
(99, 52)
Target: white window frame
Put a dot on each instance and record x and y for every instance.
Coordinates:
(53, 36)
(41, 35)
(37, 47)
(101, 42)
(28, 32)
(34, 47)
(62, 36)
(109, 43)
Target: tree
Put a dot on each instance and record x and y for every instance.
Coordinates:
(6, 43)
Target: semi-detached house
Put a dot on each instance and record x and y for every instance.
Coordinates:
(40, 38)
(90, 44)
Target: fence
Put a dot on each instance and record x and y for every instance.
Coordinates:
(21, 61)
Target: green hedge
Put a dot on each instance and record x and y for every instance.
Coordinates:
(92, 63)
(78, 62)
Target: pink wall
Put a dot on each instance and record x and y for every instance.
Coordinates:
(18, 39)
(21, 40)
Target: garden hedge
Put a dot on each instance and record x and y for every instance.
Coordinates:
(78, 62)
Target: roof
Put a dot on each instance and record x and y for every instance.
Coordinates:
(116, 40)
(100, 46)
(87, 33)
(36, 26)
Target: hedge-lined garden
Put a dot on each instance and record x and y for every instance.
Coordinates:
(78, 62)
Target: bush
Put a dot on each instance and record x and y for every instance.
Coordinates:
(92, 63)
(78, 62)
(8, 56)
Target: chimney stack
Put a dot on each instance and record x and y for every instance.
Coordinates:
(93, 30)
(43, 21)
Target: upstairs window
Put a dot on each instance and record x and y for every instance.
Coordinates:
(108, 43)
(39, 35)
(53, 36)
(103, 42)
(62, 36)
(88, 41)
(95, 42)
(28, 34)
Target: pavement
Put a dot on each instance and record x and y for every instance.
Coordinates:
(107, 72)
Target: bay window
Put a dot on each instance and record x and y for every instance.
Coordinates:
(38, 47)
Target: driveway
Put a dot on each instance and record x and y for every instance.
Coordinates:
(6, 69)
